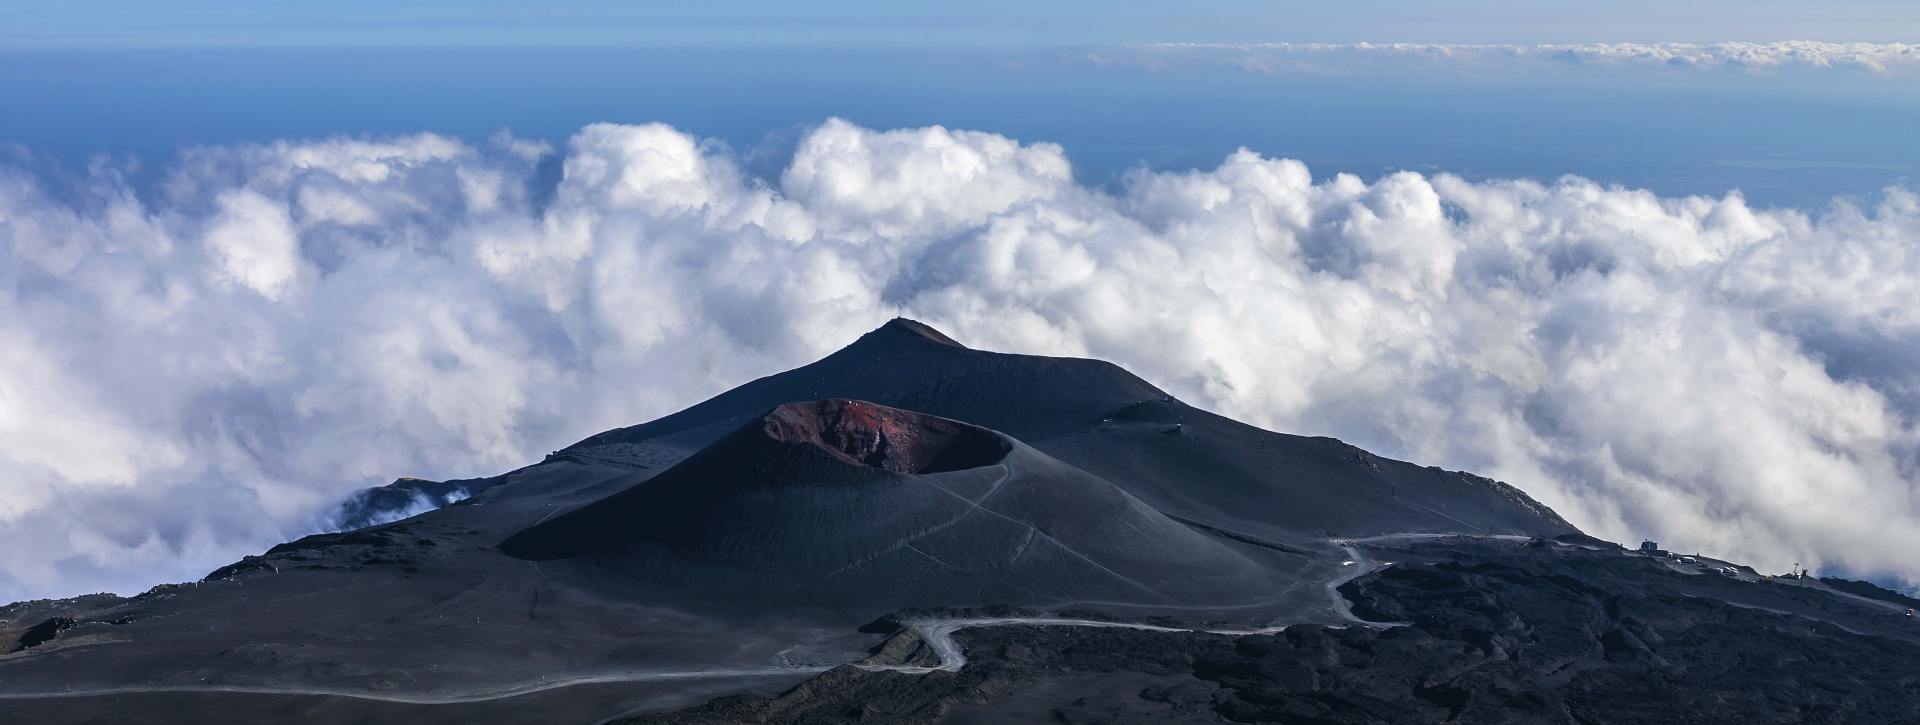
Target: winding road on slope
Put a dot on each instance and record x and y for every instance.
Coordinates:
(937, 633)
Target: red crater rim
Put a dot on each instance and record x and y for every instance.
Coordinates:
(876, 436)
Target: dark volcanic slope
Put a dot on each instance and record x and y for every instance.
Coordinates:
(1096, 416)
(851, 506)
(1491, 632)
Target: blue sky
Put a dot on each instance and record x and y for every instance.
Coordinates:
(141, 79)
(1797, 135)
(256, 23)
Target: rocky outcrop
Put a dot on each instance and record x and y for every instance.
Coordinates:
(906, 648)
(36, 635)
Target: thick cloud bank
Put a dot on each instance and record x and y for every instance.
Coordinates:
(188, 379)
(1880, 58)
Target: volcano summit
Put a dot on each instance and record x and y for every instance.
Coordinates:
(913, 531)
(847, 505)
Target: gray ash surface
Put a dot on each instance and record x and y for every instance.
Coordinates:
(1492, 633)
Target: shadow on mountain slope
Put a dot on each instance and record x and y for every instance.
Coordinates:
(1096, 416)
(847, 505)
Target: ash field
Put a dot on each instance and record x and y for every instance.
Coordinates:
(912, 531)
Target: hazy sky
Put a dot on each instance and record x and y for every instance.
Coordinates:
(1656, 263)
(914, 23)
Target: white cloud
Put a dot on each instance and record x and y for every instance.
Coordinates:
(913, 183)
(1878, 58)
(253, 242)
(188, 381)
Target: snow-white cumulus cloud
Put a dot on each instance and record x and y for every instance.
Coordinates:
(189, 376)
(1878, 58)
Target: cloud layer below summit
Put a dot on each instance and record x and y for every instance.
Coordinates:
(191, 375)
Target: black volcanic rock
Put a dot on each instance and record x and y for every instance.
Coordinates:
(908, 365)
(847, 505)
(1096, 416)
(1492, 633)
(1870, 591)
(38, 634)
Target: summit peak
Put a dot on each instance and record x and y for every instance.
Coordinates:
(902, 325)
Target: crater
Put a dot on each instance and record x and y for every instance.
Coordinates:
(876, 436)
